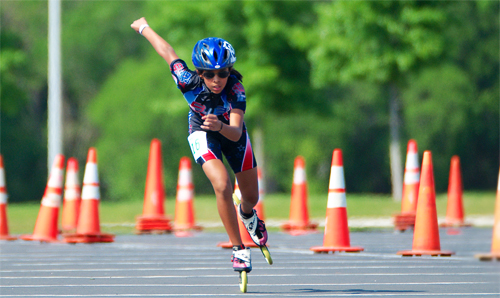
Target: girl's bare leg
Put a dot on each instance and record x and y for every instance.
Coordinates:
(249, 186)
(218, 176)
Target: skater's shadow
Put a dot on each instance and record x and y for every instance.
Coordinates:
(354, 291)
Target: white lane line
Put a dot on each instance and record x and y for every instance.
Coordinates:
(225, 268)
(253, 275)
(304, 294)
(270, 295)
(260, 285)
(337, 257)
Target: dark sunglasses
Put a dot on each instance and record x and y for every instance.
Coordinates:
(221, 74)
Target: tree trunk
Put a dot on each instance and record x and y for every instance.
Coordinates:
(395, 152)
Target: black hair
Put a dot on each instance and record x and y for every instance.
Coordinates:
(238, 75)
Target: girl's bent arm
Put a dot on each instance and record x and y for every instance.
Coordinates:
(232, 131)
(162, 47)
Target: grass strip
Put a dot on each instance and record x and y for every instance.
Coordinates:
(119, 216)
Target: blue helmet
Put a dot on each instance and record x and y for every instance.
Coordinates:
(213, 53)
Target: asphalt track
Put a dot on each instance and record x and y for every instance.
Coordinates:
(170, 266)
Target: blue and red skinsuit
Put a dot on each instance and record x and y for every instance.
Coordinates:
(202, 102)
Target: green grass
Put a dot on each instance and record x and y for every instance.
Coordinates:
(119, 217)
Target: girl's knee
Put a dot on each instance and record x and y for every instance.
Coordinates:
(250, 197)
(222, 188)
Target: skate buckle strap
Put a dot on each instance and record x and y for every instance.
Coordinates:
(250, 223)
(243, 255)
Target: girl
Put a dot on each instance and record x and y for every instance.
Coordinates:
(217, 104)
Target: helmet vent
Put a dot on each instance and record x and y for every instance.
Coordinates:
(216, 56)
(204, 56)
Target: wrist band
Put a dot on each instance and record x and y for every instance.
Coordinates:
(221, 126)
(143, 26)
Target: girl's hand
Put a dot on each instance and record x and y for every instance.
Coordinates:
(137, 24)
(211, 122)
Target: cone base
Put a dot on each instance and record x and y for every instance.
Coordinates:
(158, 231)
(38, 238)
(89, 238)
(420, 252)
(153, 225)
(488, 257)
(180, 228)
(296, 230)
(8, 237)
(300, 232)
(186, 230)
(229, 244)
(404, 221)
(455, 224)
(183, 234)
(333, 249)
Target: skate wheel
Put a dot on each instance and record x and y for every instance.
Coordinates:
(243, 281)
(266, 254)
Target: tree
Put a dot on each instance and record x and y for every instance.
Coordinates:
(312, 86)
(23, 102)
(457, 98)
(377, 41)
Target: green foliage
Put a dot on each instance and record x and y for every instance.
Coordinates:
(315, 136)
(21, 138)
(14, 61)
(400, 42)
(275, 70)
(436, 107)
(95, 37)
(472, 44)
(153, 101)
(315, 74)
(130, 114)
(376, 40)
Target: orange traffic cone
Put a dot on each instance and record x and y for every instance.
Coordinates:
(336, 236)
(454, 210)
(411, 183)
(184, 210)
(299, 223)
(4, 227)
(245, 237)
(46, 222)
(72, 197)
(88, 229)
(426, 232)
(495, 242)
(260, 204)
(259, 208)
(153, 215)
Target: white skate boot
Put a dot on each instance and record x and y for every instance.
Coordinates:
(242, 260)
(255, 226)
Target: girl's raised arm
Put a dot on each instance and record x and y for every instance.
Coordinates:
(162, 47)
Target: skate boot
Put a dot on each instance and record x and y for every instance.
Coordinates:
(242, 260)
(255, 227)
